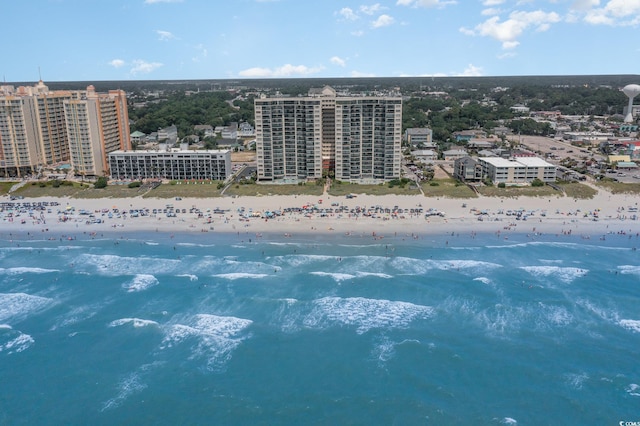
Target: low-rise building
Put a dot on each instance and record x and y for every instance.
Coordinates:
(467, 169)
(452, 154)
(419, 136)
(425, 155)
(173, 164)
(517, 170)
(168, 135)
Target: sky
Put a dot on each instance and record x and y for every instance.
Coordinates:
(96, 40)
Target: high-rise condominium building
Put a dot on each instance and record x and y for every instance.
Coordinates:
(39, 127)
(357, 138)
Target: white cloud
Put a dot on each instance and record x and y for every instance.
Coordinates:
(338, 61)
(491, 11)
(614, 12)
(425, 3)
(202, 53)
(471, 71)
(117, 63)
(162, 1)
(507, 32)
(382, 21)
(143, 67)
(370, 10)
(358, 33)
(507, 55)
(348, 14)
(286, 70)
(164, 35)
(492, 2)
(584, 4)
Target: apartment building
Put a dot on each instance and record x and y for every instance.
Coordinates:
(39, 128)
(173, 164)
(519, 170)
(357, 138)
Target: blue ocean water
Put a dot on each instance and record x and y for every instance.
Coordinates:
(233, 329)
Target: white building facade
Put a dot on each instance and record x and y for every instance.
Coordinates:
(520, 170)
(356, 138)
(174, 164)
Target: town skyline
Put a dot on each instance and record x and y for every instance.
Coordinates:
(256, 39)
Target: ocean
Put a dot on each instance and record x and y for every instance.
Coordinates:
(152, 328)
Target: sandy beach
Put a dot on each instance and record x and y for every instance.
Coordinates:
(372, 216)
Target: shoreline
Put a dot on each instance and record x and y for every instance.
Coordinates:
(286, 216)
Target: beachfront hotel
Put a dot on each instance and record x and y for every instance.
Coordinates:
(172, 164)
(357, 138)
(519, 170)
(39, 128)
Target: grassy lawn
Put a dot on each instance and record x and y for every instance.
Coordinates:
(180, 189)
(578, 190)
(447, 188)
(45, 189)
(619, 187)
(258, 190)
(5, 187)
(518, 191)
(343, 188)
(111, 191)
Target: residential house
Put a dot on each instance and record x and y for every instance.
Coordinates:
(453, 154)
(425, 155)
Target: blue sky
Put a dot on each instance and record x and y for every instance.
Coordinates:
(201, 39)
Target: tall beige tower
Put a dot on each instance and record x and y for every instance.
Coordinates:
(40, 128)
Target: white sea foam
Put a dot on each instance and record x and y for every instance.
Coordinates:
(19, 305)
(130, 385)
(112, 265)
(215, 337)
(17, 342)
(509, 421)
(502, 319)
(633, 389)
(26, 270)
(337, 276)
(410, 266)
(605, 314)
(385, 349)
(483, 280)
(195, 245)
(364, 314)
(576, 380)
(127, 387)
(629, 269)
(240, 275)
(141, 282)
(76, 315)
(373, 274)
(554, 315)
(566, 274)
(5, 327)
(551, 261)
(190, 276)
(136, 322)
(633, 325)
